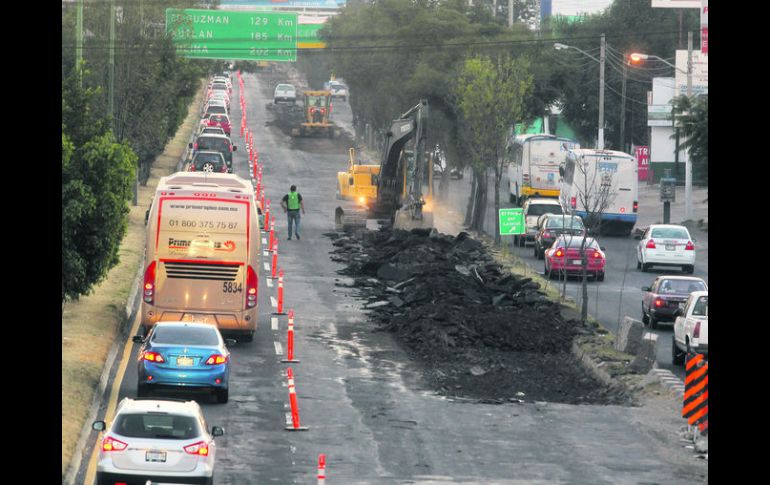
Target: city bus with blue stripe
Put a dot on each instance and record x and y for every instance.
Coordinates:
(602, 187)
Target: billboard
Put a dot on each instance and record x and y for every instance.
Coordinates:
(659, 115)
(284, 3)
(700, 72)
(676, 3)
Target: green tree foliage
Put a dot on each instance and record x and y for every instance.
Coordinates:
(692, 117)
(490, 97)
(97, 179)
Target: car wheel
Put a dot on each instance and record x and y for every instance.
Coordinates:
(645, 267)
(638, 265)
(645, 320)
(677, 356)
(600, 276)
(222, 395)
(653, 321)
(689, 268)
(536, 252)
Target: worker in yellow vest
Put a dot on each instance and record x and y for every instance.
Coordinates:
(292, 204)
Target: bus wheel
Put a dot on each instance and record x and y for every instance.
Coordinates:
(246, 337)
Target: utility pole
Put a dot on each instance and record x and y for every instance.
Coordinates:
(111, 70)
(600, 141)
(79, 43)
(687, 163)
(623, 111)
(510, 14)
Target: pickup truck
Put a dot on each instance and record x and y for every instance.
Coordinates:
(691, 328)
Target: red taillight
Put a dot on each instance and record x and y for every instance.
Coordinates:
(149, 284)
(547, 234)
(559, 253)
(111, 444)
(322, 111)
(252, 284)
(200, 448)
(195, 146)
(216, 359)
(153, 357)
(659, 302)
(636, 206)
(192, 168)
(696, 331)
(597, 254)
(573, 202)
(224, 168)
(650, 244)
(690, 246)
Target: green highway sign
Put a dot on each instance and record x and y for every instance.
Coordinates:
(221, 34)
(511, 221)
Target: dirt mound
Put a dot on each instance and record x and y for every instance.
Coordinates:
(481, 332)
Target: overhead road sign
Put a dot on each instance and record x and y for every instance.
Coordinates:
(222, 34)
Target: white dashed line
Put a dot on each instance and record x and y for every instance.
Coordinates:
(278, 348)
(269, 282)
(267, 267)
(274, 302)
(274, 323)
(264, 240)
(266, 253)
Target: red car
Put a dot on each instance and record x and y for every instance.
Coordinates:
(221, 120)
(564, 257)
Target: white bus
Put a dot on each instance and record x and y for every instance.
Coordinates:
(202, 253)
(533, 168)
(601, 183)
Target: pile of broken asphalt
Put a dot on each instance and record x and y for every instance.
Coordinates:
(477, 331)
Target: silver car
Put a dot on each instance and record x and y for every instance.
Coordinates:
(157, 440)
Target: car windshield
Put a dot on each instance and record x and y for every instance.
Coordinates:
(216, 109)
(564, 223)
(159, 426)
(185, 335)
(670, 233)
(701, 308)
(575, 242)
(216, 144)
(681, 286)
(540, 209)
(208, 157)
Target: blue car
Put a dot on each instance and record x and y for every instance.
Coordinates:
(187, 355)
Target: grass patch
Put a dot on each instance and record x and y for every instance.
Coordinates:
(90, 325)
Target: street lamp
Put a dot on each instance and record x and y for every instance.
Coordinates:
(558, 46)
(636, 57)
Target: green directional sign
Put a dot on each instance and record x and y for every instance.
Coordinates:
(511, 221)
(237, 35)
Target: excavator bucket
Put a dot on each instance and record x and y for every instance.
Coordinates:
(405, 220)
(349, 220)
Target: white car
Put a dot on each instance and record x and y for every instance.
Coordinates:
(286, 93)
(666, 245)
(534, 208)
(691, 328)
(338, 90)
(157, 440)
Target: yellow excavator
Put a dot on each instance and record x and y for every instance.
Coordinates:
(317, 105)
(359, 182)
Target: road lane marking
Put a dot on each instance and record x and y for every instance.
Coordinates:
(264, 240)
(278, 348)
(269, 282)
(267, 267)
(274, 323)
(265, 253)
(274, 302)
(112, 403)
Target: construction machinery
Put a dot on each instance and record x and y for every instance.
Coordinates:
(399, 194)
(317, 111)
(359, 182)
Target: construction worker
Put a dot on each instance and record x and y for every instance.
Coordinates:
(291, 204)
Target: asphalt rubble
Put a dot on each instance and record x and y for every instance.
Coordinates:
(478, 331)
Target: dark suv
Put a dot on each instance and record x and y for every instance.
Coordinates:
(551, 226)
(217, 143)
(208, 161)
(661, 299)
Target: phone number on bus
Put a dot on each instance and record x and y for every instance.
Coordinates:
(202, 224)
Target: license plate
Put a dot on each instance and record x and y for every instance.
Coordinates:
(670, 247)
(184, 361)
(155, 456)
(576, 261)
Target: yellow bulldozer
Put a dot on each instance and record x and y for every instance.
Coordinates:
(317, 107)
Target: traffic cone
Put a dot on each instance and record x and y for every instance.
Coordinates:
(293, 402)
(321, 469)
(290, 340)
(280, 311)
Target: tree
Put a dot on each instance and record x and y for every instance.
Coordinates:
(490, 96)
(692, 116)
(97, 181)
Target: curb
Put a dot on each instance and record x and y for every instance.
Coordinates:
(592, 366)
(130, 312)
(668, 380)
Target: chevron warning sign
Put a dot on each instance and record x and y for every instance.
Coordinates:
(695, 407)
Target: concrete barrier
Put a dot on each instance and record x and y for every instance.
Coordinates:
(629, 336)
(646, 355)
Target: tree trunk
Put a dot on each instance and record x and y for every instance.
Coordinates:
(480, 205)
(471, 198)
(584, 283)
(498, 178)
(443, 185)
